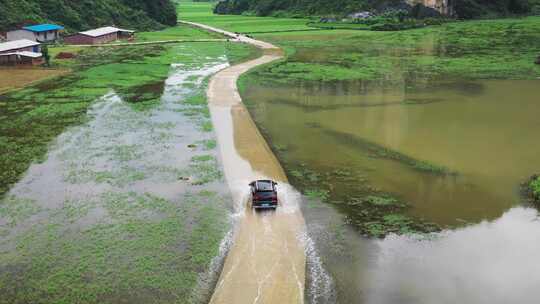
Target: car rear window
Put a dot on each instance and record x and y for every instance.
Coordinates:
(265, 186)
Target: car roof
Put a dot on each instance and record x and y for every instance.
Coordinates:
(264, 185)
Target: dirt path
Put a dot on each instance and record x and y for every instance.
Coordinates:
(266, 263)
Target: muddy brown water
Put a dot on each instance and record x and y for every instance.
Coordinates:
(485, 130)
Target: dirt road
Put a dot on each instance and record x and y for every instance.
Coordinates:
(266, 263)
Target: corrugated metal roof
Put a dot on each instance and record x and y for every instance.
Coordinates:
(24, 54)
(17, 44)
(43, 28)
(104, 31)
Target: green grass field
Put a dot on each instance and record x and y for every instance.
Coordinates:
(175, 33)
(484, 49)
(500, 48)
(201, 12)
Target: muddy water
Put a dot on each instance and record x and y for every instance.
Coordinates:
(484, 131)
(121, 151)
(266, 263)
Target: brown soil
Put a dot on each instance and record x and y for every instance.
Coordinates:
(15, 78)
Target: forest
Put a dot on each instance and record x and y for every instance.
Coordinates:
(465, 9)
(86, 14)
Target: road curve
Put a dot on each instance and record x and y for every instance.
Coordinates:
(266, 263)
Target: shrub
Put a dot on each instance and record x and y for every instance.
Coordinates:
(534, 186)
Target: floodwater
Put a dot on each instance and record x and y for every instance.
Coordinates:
(484, 131)
(266, 262)
(122, 152)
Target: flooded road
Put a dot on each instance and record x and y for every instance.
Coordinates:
(266, 262)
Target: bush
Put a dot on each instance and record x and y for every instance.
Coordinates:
(534, 186)
(80, 15)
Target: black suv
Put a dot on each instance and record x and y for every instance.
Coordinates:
(264, 194)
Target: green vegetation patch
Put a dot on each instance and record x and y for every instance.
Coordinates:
(205, 169)
(152, 250)
(181, 32)
(371, 212)
(531, 189)
(535, 187)
(14, 209)
(201, 12)
(487, 49)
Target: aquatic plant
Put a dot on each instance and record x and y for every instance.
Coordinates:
(14, 209)
(531, 189)
(317, 193)
(535, 187)
(209, 144)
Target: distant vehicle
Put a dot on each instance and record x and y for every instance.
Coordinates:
(264, 194)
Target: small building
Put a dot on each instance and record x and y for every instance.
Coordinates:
(99, 36)
(38, 33)
(21, 58)
(20, 46)
(20, 52)
(361, 15)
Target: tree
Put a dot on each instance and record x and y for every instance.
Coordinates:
(46, 55)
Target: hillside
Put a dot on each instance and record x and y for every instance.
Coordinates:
(466, 9)
(85, 14)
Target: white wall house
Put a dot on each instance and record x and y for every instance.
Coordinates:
(38, 33)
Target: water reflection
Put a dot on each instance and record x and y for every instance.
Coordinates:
(491, 262)
(483, 130)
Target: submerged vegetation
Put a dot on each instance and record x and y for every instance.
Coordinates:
(135, 221)
(132, 256)
(36, 115)
(372, 212)
(378, 151)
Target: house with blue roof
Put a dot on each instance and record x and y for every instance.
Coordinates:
(38, 33)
